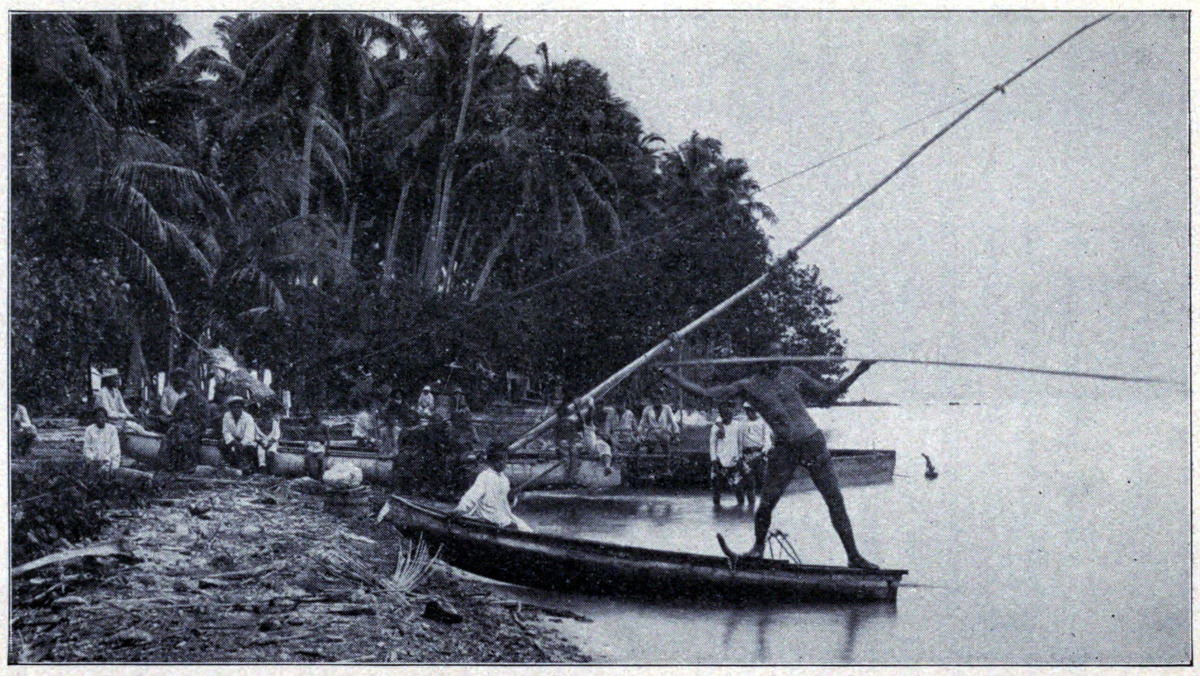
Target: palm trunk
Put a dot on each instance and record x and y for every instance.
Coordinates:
(492, 257)
(306, 158)
(389, 250)
(432, 261)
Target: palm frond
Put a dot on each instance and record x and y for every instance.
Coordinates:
(143, 271)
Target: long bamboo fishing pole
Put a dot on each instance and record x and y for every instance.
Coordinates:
(789, 258)
(788, 359)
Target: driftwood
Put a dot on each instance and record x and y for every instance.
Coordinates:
(107, 549)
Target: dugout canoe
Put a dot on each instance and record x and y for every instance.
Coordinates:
(288, 462)
(564, 564)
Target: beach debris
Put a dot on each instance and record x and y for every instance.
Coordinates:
(440, 610)
(113, 549)
(133, 637)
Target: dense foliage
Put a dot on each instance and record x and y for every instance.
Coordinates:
(343, 195)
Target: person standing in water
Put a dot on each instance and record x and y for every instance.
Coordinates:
(777, 392)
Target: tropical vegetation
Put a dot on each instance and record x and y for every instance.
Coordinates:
(346, 197)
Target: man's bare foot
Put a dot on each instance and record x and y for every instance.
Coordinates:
(860, 562)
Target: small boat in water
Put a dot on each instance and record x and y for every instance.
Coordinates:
(568, 565)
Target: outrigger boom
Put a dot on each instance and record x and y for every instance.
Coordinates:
(788, 359)
(787, 259)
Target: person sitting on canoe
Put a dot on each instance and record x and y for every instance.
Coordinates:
(239, 435)
(109, 396)
(777, 393)
(189, 418)
(363, 431)
(487, 498)
(658, 429)
(591, 441)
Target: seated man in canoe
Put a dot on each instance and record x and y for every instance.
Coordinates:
(487, 498)
(777, 392)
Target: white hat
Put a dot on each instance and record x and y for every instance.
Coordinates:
(109, 372)
(233, 398)
(427, 389)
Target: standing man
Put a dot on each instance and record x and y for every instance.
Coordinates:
(239, 435)
(723, 455)
(425, 404)
(754, 443)
(777, 392)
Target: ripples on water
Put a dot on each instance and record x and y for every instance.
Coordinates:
(1057, 533)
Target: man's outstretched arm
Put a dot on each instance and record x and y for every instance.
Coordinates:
(716, 392)
(827, 394)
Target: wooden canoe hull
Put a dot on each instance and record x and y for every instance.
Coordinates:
(289, 462)
(567, 565)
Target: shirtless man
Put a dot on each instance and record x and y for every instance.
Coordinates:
(776, 392)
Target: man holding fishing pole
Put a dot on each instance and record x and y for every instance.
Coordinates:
(777, 393)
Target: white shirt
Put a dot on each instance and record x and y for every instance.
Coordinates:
(755, 434)
(425, 404)
(113, 403)
(487, 499)
(659, 425)
(725, 449)
(243, 430)
(21, 419)
(270, 441)
(102, 444)
(362, 426)
(169, 398)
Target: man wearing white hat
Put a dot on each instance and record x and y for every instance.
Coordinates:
(239, 434)
(110, 398)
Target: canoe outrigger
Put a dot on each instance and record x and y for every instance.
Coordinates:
(568, 565)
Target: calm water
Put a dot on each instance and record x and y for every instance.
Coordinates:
(1056, 533)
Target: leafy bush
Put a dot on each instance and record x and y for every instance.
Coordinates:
(59, 504)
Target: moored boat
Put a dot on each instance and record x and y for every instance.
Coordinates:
(568, 565)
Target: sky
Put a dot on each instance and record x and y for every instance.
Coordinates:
(1049, 229)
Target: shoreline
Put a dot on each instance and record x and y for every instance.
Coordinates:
(229, 573)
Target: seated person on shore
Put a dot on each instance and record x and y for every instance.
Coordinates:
(109, 396)
(189, 418)
(566, 428)
(723, 455)
(487, 498)
(364, 426)
(100, 440)
(24, 434)
(594, 444)
(159, 416)
(426, 404)
(658, 427)
(239, 435)
(268, 439)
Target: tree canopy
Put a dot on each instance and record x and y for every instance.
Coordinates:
(343, 197)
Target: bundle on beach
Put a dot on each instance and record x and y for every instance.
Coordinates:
(341, 569)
